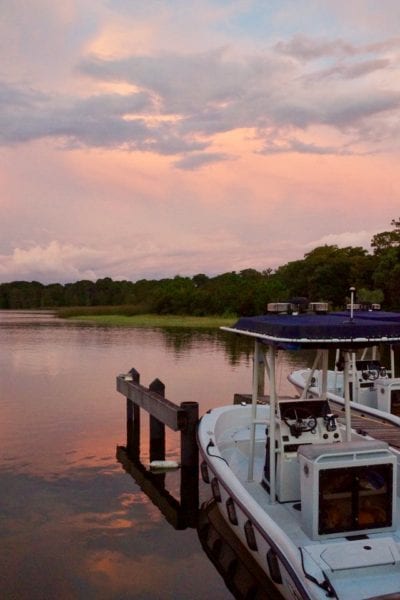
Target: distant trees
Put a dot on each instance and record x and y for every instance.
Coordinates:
(324, 274)
(386, 274)
(386, 240)
(21, 294)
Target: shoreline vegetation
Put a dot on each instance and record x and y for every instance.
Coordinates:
(325, 274)
(110, 317)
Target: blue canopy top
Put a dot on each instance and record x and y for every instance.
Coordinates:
(315, 330)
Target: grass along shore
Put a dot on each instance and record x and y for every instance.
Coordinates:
(152, 320)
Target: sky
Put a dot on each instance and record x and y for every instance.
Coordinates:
(163, 137)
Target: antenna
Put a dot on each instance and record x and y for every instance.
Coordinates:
(352, 290)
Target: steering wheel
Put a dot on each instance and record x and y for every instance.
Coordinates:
(370, 374)
(302, 420)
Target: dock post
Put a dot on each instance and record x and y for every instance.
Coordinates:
(157, 428)
(189, 453)
(190, 463)
(133, 421)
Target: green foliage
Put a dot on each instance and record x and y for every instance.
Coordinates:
(146, 320)
(324, 274)
(381, 242)
(370, 296)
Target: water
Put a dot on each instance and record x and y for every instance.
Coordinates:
(73, 523)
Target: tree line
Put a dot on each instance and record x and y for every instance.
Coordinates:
(324, 274)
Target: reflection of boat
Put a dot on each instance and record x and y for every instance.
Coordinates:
(241, 573)
(314, 501)
(371, 385)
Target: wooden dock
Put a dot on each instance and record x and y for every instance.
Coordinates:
(182, 512)
(163, 412)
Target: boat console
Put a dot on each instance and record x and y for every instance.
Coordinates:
(370, 369)
(347, 488)
(298, 422)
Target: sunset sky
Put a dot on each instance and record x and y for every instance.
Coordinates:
(155, 138)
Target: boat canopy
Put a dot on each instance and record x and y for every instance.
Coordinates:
(337, 329)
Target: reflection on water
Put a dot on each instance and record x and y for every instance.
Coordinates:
(73, 524)
(180, 341)
(174, 493)
(241, 574)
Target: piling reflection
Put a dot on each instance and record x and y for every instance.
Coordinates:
(180, 513)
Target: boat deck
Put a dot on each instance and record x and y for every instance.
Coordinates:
(376, 427)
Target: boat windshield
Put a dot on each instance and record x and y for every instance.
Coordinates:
(355, 498)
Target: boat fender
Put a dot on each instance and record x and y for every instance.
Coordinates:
(164, 464)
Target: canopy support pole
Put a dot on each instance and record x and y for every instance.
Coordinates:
(324, 369)
(347, 361)
(354, 377)
(272, 411)
(392, 362)
(257, 361)
(310, 375)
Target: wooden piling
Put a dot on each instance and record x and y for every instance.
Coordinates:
(190, 463)
(133, 419)
(157, 428)
(189, 453)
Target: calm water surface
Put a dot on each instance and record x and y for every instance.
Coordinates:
(73, 523)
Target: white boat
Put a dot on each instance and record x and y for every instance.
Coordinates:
(373, 387)
(315, 502)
